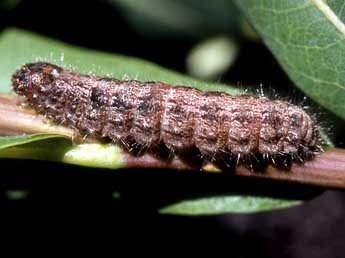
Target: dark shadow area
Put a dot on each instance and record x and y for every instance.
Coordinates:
(143, 189)
(79, 202)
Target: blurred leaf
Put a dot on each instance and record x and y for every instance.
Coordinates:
(226, 204)
(10, 141)
(116, 195)
(211, 58)
(171, 18)
(60, 149)
(8, 4)
(307, 37)
(16, 194)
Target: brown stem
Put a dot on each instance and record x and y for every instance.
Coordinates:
(14, 120)
(326, 170)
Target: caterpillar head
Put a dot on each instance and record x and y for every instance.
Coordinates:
(33, 78)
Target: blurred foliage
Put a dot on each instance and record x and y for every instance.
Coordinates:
(172, 18)
(17, 194)
(227, 204)
(211, 58)
(200, 20)
(7, 5)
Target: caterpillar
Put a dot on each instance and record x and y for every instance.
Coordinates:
(149, 114)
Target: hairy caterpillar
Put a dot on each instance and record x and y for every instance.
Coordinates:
(181, 118)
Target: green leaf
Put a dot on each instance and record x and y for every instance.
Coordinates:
(18, 47)
(16, 194)
(171, 18)
(225, 204)
(61, 149)
(10, 141)
(307, 38)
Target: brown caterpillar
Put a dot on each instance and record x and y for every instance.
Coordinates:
(181, 118)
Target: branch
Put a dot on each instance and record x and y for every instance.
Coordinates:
(326, 170)
(16, 120)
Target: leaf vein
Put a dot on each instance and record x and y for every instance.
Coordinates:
(330, 15)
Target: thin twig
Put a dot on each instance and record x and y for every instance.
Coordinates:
(16, 120)
(326, 170)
